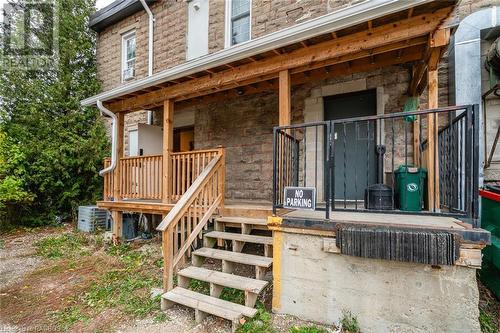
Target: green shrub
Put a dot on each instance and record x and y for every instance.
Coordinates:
(261, 323)
(349, 322)
(51, 147)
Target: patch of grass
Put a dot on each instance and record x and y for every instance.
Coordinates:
(125, 287)
(349, 322)
(2, 244)
(486, 322)
(67, 245)
(233, 295)
(201, 287)
(128, 256)
(308, 329)
(160, 318)
(261, 323)
(69, 316)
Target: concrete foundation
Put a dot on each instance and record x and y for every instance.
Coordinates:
(385, 296)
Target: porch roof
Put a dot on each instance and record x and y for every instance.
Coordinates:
(256, 63)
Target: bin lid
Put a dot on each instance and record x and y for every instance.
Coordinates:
(490, 194)
(409, 168)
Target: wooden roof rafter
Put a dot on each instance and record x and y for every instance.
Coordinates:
(383, 38)
(359, 65)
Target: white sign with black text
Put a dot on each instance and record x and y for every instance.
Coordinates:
(300, 198)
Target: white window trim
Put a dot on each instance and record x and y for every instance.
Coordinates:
(227, 19)
(125, 36)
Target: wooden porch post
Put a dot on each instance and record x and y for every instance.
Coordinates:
(432, 151)
(285, 110)
(119, 155)
(168, 144)
(117, 216)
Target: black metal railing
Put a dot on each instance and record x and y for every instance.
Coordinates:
(360, 164)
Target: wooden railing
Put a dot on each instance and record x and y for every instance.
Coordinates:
(107, 192)
(141, 177)
(184, 223)
(186, 167)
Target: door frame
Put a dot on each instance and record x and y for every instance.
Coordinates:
(314, 111)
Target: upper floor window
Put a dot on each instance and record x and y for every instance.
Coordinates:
(237, 21)
(128, 56)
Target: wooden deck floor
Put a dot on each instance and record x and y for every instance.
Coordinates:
(406, 220)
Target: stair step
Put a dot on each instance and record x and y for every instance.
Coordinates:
(214, 306)
(241, 237)
(242, 258)
(242, 220)
(224, 279)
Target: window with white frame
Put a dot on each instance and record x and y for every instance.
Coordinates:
(238, 23)
(128, 56)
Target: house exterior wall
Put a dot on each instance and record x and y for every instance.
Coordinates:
(171, 28)
(243, 126)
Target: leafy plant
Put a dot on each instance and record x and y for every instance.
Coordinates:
(349, 322)
(486, 322)
(261, 323)
(308, 329)
(67, 245)
(233, 295)
(69, 316)
(201, 287)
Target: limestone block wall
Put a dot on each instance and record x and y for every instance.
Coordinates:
(385, 296)
(243, 125)
(170, 31)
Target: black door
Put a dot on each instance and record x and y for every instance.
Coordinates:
(354, 143)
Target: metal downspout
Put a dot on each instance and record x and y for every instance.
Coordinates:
(150, 50)
(114, 136)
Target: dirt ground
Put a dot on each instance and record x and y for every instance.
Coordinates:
(33, 288)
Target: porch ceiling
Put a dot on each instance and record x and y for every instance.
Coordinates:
(397, 38)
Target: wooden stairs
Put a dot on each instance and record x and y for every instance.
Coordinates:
(252, 287)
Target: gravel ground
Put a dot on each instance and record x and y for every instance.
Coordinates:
(17, 257)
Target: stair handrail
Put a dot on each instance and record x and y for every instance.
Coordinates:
(198, 203)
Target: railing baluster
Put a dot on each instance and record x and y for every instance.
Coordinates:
(392, 161)
(345, 162)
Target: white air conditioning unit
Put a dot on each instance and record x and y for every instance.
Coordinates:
(128, 73)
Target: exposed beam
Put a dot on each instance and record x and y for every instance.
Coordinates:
(357, 42)
(436, 46)
(325, 64)
(363, 53)
(361, 65)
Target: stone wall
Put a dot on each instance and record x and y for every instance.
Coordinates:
(169, 42)
(171, 28)
(384, 296)
(243, 125)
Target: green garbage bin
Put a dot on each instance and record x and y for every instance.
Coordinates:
(490, 213)
(410, 186)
